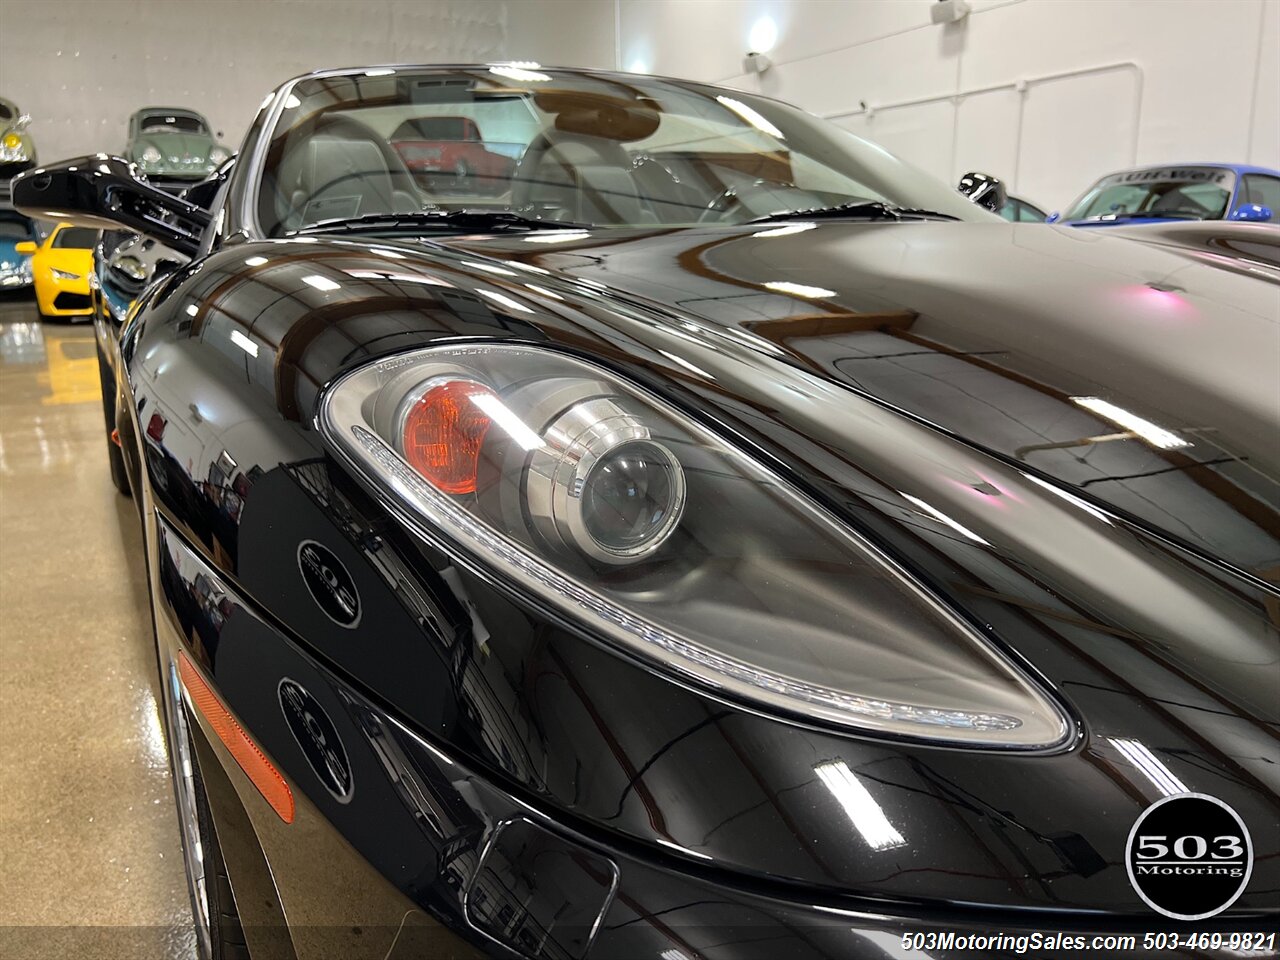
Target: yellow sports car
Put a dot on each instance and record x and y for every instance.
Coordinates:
(61, 267)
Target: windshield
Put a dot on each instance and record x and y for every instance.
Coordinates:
(1199, 193)
(172, 123)
(76, 238)
(600, 150)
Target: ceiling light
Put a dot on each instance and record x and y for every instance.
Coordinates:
(859, 805)
(520, 74)
(1155, 435)
(763, 35)
(785, 231)
(244, 343)
(942, 517)
(502, 415)
(799, 289)
(1149, 764)
(751, 116)
(503, 299)
(320, 283)
(489, 268)
(558, 236)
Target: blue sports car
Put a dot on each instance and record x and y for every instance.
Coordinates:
(15, 268)
(1199, 191)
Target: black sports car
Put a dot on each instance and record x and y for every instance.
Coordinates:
(722, 542)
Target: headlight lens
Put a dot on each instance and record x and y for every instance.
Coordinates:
(663, 540)
(150, 155)
(218, 156)
(64, 274)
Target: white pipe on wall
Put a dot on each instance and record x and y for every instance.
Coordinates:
(1021, 87)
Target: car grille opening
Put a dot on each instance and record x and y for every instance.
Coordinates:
(72, 301)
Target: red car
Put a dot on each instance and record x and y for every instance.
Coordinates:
(450, 152)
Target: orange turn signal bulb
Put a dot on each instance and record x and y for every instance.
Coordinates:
(443, 434)
(252, 761)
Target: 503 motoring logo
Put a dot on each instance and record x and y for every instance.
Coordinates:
(330, 584)
(1189, 856)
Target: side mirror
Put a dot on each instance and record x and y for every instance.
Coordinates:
(984, 190)
(26, 246)
(105, 193)
(1251, 212)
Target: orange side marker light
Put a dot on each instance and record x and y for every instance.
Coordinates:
(246, 753)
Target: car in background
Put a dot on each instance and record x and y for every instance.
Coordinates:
(173, 147)
(17, 149)
(15, 267)
(61, 267)
(1017, 210)
(450, 153)
(1197, 191)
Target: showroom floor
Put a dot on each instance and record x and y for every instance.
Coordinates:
(87, 828)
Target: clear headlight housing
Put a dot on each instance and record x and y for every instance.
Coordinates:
(63, 274)
(661, 539)
(219, 155)
(150, 154)
(12, 148)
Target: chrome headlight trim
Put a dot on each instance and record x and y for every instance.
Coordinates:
(446, 523)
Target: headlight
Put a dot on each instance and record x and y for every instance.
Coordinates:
(658, 537)
(63, 274)
(218, 156)
(150, 155)
(12, 149)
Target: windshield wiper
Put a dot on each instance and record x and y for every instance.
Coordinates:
(861, 210)
(462, 221)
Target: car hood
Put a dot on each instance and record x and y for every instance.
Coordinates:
(917, 379)
(72, 259)
(1142, 376)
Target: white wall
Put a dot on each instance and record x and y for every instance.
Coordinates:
(1104, 83)
(1108, 83)
(81, 67)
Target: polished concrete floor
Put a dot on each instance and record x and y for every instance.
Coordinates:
(90, 862)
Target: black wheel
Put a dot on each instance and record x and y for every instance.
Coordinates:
(219, 933)
(222, 919)
(115, 457)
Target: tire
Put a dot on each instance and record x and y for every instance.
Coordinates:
(226, 935)
(115, 456)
